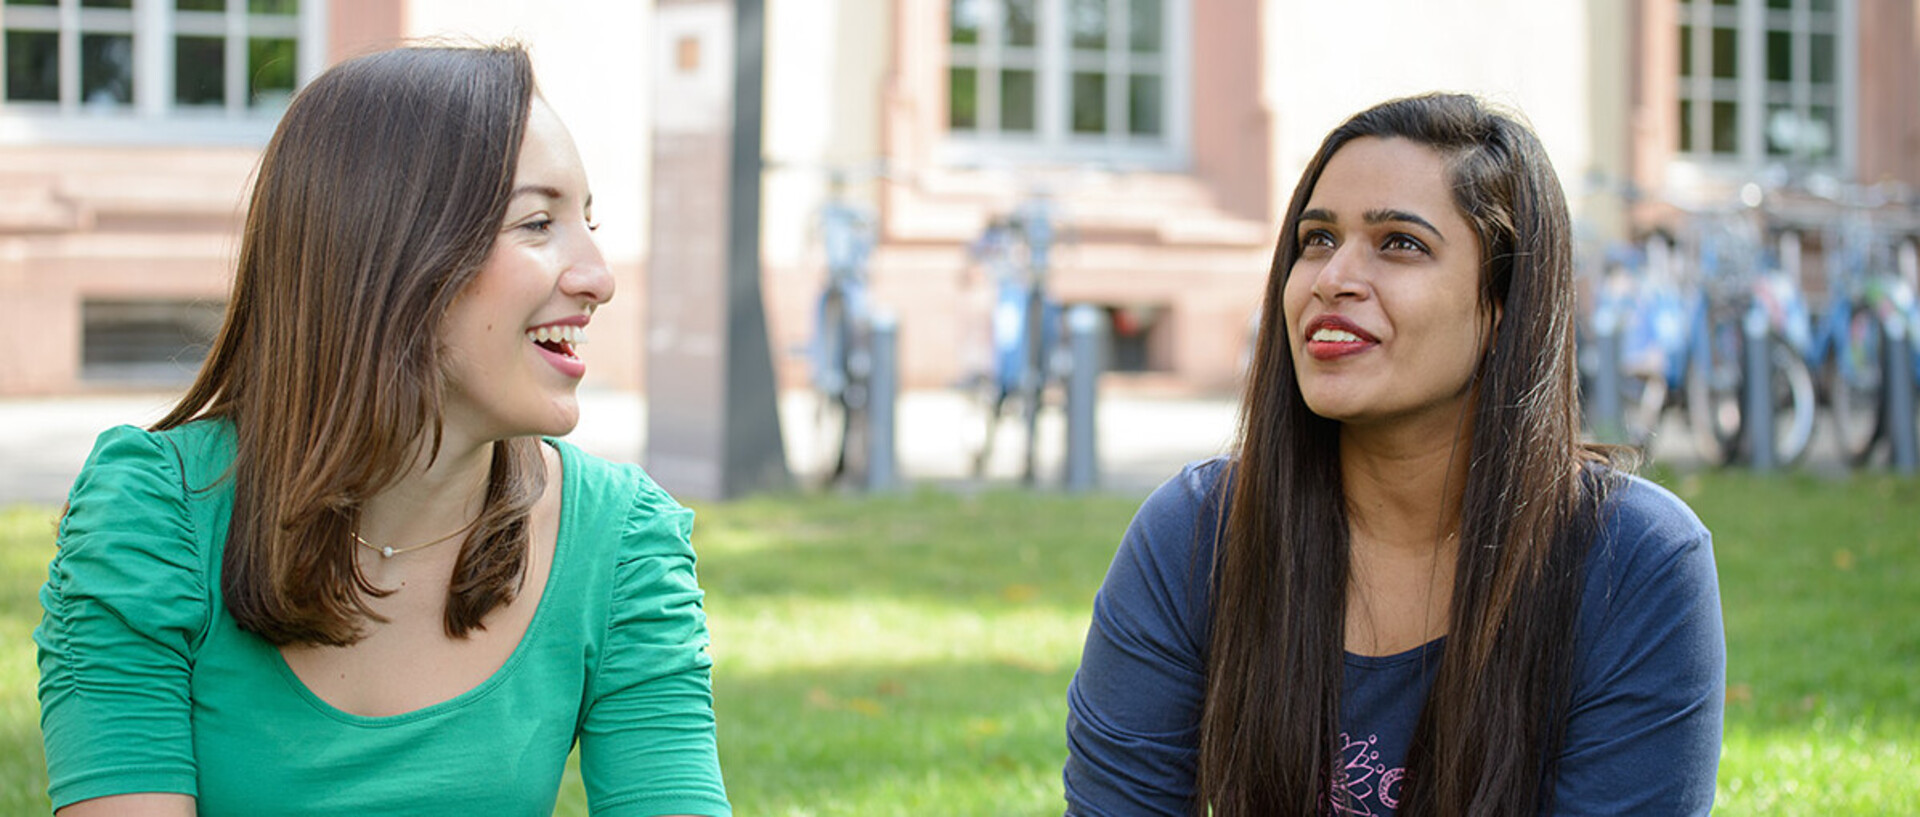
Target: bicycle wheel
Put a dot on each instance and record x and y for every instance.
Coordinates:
(1855, 379)
(1713, 382)
(1793, 400)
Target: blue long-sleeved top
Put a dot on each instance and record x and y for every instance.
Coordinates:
(1643, 735)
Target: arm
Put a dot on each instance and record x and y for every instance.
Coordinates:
(124, 601)
(647, 742)
(1133, 709)
(1644, 731)
(132, 805)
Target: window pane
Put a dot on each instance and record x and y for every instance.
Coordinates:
(1016, 101)
(1726, 2)
(1822, 68)
(1019, 18)
(1780, 56)
(1089, 103)
(1686, 126)
(1143, 105)
(1821, 132)
(33, 2)
(273, 6)
(1822, 5)
(270, 63)
(199, 70)
(1143, 26)
(1780, 4)
(1726, 127)
(200, 5)
(33, 66)
(106, 4)
(1686, 51)
(1783, 130)
(1726, 53)
(963, 21)
(963, 101)
(106, 69)
(1087, 19)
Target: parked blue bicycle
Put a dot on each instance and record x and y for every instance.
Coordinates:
(840, 350)
(1015, 250)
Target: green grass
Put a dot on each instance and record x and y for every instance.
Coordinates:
(909, 654)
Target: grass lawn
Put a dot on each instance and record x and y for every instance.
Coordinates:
(909, 654)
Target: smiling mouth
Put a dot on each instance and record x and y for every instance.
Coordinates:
(560, 340)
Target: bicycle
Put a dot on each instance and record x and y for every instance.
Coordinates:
(839, 351)
(1741, 277)
(1025, 328)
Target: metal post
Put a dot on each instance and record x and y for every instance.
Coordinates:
(882, 395)
(1900, 387)
(1607, 421)
(1756, 415)
(1088, 330)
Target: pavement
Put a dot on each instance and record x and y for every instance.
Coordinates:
(1142, 439)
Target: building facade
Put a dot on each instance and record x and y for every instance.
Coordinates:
(1165, 135)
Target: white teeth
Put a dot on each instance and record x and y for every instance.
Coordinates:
(571, 335)
(1335, 336)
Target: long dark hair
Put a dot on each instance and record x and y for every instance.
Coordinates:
(1492, 723)
(376, 201)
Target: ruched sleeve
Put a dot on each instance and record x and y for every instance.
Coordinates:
(647, 744)
(124, 603)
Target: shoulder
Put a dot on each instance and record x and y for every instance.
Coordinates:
(1642, 530)
(1160, 576)
(1651, 567)
(602, 496)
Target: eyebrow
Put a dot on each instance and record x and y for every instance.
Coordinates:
(1380, 216)
(546, 191)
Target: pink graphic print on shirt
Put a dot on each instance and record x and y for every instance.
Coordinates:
(1366, 786)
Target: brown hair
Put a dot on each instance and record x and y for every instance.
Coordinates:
(377, 200)
(1493, 720)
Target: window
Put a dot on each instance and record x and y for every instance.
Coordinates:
(1764, 80)
(111, 70)
(1100, 80)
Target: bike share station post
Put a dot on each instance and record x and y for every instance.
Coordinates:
(882, 396)
(1757, 413)
(1900, 397)
(1087, 338)
(1607, 422)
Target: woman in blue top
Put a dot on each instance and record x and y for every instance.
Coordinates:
(346, 574)
(1413, 589)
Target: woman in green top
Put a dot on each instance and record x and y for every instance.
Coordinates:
(347, 575)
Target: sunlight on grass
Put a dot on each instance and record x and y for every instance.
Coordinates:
(910, 653)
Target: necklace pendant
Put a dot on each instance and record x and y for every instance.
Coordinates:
(386, 552)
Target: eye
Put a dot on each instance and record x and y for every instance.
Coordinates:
(541, 226)
(1316, 238)
(1401, 242)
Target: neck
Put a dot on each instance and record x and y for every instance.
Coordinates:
(1403, 490)
(432, 499)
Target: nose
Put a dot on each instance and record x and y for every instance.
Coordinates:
(587, 276)
(1342, 276)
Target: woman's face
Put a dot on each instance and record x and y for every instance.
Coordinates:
(511, 339)
(1382, 303)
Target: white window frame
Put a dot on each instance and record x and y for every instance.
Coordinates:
(1751, 90)
(1053, 141)
(153, 118)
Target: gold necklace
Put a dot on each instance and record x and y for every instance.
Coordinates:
(389, 551)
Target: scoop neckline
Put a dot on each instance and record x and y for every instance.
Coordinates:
(501, 674)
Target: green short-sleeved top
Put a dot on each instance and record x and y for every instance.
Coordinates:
(148, 685)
